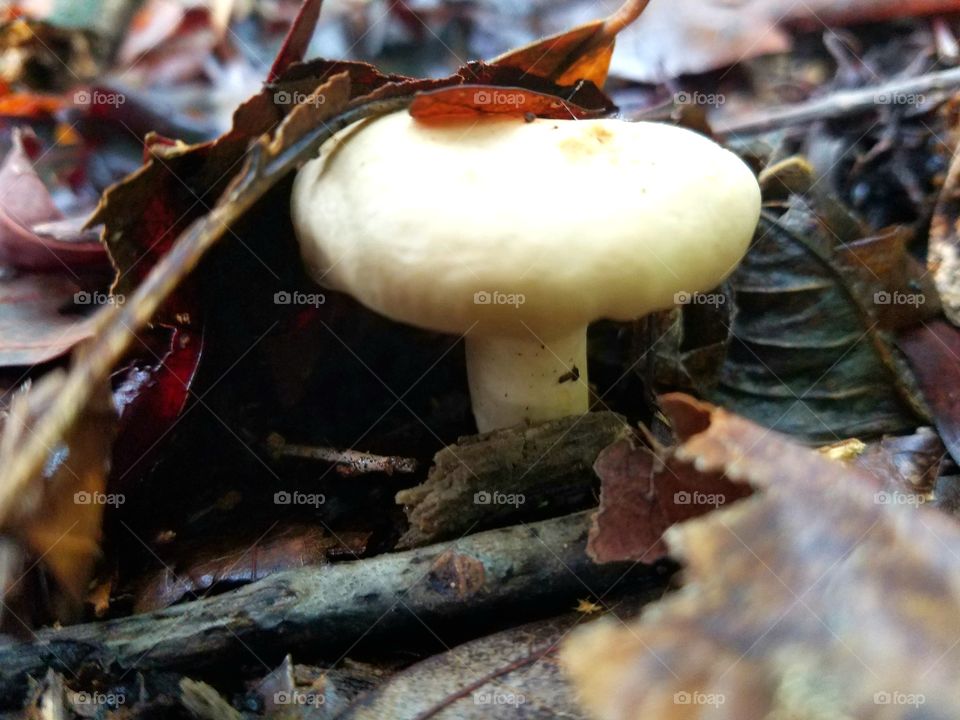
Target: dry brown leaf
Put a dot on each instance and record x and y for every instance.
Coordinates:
(58, 516)
(641, 495)
(582, 53)
(932, 349)
(551, 57)
(812, 599)
(511, 674)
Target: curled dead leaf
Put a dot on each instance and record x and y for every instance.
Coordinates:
(582, 53)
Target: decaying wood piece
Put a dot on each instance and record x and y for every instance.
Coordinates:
(540, 565)
(497, 477)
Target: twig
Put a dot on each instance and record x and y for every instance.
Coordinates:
(349, 462)
(842, 103)
(538, 566)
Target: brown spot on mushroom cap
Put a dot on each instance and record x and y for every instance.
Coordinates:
(600, 133)
(590, 142)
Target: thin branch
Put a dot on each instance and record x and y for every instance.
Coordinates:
(348, 462)
(844, 103)
(541, 565)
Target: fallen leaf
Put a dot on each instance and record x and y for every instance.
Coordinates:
(33, 328)
(29, 105)
(678, 37)
(933, 349)
(314, 693)
(814, 598)
(51, 263)
(142, 216)
(809, 355)
(561, 57)
(26, 203)
(297, 40)
(904, 292)
(905, 463)
(692, 343)
(48, 699)
(150, 395)
(510, 674)
(58, 516)
(168, 42)
(476, 101)
(642, 493)
(42, 57)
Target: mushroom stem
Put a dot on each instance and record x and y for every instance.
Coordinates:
(527, 379)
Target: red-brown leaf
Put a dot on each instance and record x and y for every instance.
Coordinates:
(26, 203)
(641, 495)
(468, 102)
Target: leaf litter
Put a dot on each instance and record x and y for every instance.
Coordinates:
(858, 218)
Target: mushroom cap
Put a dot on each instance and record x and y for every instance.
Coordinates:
(507, 226)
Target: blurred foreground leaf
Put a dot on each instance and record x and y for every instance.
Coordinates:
(58, 518)
(819, 597)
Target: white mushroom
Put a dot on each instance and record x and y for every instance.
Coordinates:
(519, 234)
